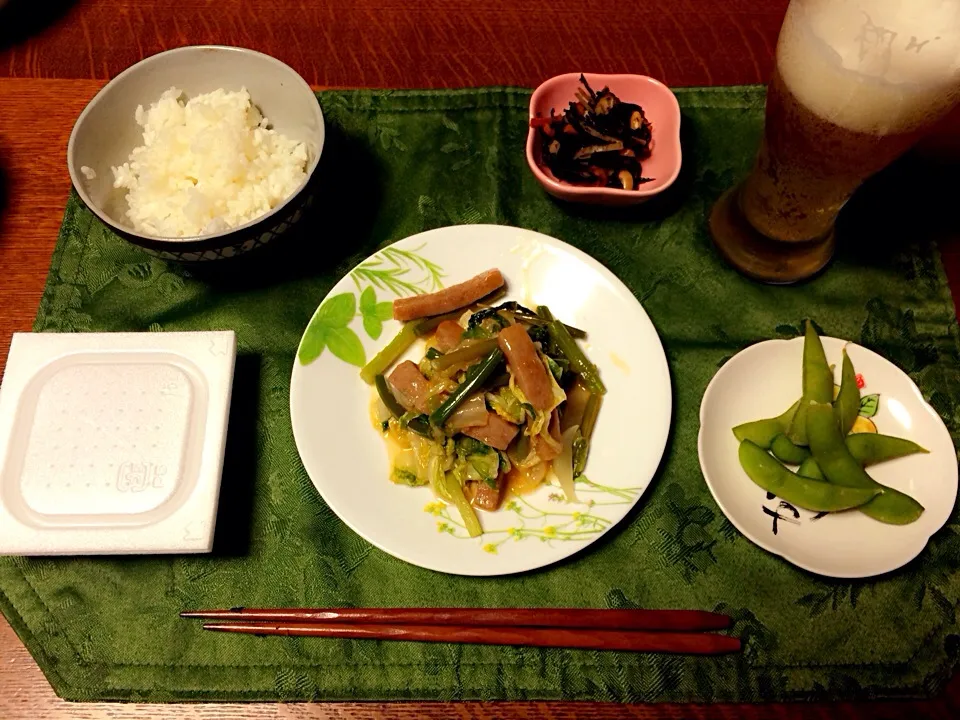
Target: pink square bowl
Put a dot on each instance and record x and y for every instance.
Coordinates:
(659, 105)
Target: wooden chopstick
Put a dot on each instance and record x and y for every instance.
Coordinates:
(631, 640)
(653, 620)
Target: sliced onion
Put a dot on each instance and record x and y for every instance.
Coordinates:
(471, 413)
(563, 464)
(466, 352)
(380, 412)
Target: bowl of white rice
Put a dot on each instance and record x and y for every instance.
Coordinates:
(199, 153)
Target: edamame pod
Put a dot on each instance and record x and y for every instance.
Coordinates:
(817, 383)
(787, 452)
(841, 468)
(868, 449)
(871, 448)
(817, 376)
(762, 432)
(847, 405)
(809, 469)
(797, 432)
(767, 472)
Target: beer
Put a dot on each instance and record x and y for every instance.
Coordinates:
(808, 167)
(856, 83)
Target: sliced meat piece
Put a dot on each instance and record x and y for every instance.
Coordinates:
(448, 299)
(410, 386)
(447, 335)
(497, 433)
(486, 497)
(526, 365)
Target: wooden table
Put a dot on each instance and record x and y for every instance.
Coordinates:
(55, 55)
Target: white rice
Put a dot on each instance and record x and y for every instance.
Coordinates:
(207, 165)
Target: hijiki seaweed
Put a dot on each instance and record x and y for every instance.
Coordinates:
(599, 140)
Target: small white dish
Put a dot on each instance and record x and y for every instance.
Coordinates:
(112, 443)
(347, 459)
(763, 381)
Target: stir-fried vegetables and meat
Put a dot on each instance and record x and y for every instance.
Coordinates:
(599, 140)
(502, 401)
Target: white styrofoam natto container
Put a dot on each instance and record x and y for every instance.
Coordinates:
(113, 443)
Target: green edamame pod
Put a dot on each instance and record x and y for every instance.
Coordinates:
(847, 405)
(817, 383)
(787, 452)
(871, 448)
(817, 376)
(767, 472)
(841, 468)
(797, 432)
(809, 469)
(762, 432)
(867, 449)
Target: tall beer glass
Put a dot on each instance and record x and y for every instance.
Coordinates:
(856, 83)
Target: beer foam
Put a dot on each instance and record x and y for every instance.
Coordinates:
(873, 66)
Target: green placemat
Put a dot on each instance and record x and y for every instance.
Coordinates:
(401, 162)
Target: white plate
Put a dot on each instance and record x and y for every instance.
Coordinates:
(346, 458)
(113, 442)
(763, 381)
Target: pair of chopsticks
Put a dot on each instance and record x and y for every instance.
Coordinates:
(666, 631)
